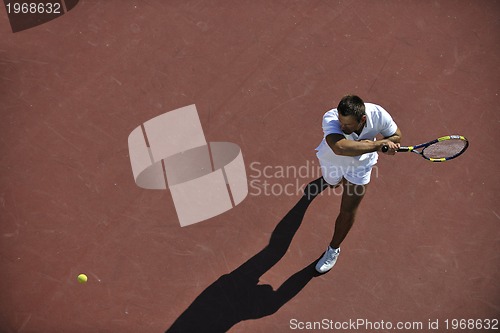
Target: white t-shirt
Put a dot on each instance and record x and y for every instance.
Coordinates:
(378, 121)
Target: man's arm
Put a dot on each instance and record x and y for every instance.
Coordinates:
(396, 137)
(392, 142)
(341, 146)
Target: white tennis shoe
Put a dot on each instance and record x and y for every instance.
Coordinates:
(328, 260)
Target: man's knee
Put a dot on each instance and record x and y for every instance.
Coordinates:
(347, 214)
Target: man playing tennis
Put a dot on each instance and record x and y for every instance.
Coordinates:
(347, 154)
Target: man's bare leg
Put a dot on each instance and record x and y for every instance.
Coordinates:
(351, 198)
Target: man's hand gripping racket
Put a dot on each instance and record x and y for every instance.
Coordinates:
(439, 150)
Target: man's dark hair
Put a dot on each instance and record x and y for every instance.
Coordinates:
(352, 105)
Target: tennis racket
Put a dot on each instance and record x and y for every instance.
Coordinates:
(439, 150)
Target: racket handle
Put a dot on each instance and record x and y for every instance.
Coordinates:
(385, 148)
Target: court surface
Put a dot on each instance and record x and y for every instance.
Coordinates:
(425, 246)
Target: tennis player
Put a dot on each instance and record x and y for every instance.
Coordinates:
(347, 154)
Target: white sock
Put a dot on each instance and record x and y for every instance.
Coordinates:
(337, 250)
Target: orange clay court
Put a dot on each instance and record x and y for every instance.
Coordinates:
(423, 254)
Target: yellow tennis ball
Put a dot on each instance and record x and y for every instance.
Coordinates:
(82, 278)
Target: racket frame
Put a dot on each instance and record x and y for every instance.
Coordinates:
(413, 149)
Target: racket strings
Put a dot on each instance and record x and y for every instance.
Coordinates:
(445, 149)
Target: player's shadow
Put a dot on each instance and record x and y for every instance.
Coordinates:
(238, 296)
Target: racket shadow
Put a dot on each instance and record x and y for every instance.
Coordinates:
(238, 296)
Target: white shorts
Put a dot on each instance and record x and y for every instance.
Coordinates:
(334, 172)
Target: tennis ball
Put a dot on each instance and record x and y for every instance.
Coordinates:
(82, 278)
